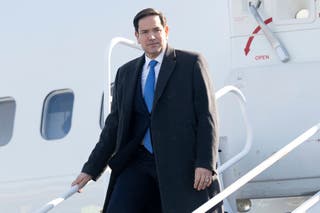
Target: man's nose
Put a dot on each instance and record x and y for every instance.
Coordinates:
(152, 36)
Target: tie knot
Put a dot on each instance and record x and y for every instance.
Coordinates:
(152, 63)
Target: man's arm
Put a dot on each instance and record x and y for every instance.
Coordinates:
(103, 150)
(205, 111)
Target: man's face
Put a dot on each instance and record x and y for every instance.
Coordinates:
(152, 36)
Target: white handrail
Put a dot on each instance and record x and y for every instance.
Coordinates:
(258, 169)
(242, 101)
(308, 204)
(50, 205)
(274, 41)
(115, 41)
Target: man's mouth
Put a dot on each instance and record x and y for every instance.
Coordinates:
(153, 44)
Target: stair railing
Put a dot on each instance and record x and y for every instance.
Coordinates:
(258, 169)
(114, 42)
(242, 101)
(50, 205)
(308, 204)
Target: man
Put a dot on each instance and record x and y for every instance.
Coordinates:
(160, 138)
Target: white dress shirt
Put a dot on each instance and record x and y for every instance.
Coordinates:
(145, 70)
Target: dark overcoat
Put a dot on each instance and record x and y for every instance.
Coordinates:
(183, 129)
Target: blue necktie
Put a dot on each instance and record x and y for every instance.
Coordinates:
(148, 98)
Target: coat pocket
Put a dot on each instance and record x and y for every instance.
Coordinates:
(120, 160)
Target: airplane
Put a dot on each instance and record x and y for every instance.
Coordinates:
(58, 62)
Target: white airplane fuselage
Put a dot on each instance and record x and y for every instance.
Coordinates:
(62, 46)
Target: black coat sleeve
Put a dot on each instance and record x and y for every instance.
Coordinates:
(105, 147)
(206, 116)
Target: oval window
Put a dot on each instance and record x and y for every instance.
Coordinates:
(57, 114)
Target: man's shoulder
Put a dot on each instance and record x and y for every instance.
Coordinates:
(126, 69)
(130, 64)
(188, 54)
(188, 58)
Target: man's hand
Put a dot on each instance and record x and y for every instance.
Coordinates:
(81, 180)
(202, 178)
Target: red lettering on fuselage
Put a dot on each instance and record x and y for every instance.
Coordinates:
(261, 57)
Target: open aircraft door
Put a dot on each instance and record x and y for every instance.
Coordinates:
(275, 61)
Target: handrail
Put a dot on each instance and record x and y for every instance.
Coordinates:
(258, 169)
(50, 205)
(308, 204)
(115, 41)
(274, 41)
(242, 101)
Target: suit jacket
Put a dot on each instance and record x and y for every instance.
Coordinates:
(183, 129)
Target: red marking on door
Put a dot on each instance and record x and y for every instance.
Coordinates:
(256, 30)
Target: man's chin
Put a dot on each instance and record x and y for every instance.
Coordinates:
(154, 53)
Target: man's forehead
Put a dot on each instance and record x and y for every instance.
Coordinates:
(149, 21)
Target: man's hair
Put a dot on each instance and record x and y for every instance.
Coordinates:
(148, 12)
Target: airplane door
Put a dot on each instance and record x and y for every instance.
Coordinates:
(282, 97)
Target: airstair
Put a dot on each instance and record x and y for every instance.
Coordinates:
(312, 205)
(262, 167)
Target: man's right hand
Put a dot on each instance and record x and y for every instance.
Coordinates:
(81, 180)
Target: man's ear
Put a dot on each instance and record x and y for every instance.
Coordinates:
(137, 36)
(166, 30)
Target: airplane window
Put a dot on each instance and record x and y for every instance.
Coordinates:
(102, 109)
(297, 11)
(302, 14)
(7, 114)
(57, 114)
(112, 88)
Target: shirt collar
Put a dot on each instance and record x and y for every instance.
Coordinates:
(159, 58)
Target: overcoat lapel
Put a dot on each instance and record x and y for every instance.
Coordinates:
(167, 67)
(131, 82)
(129, 93)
